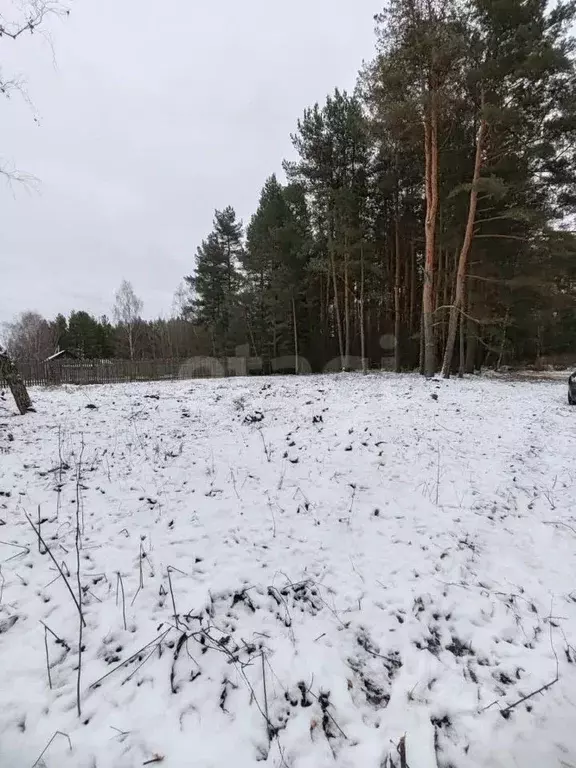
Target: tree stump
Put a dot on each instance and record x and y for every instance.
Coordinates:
(9, 372)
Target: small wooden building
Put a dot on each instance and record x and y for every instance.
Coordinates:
(55, 362)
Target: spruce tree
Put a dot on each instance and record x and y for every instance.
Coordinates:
(273, 262)
(216, 281)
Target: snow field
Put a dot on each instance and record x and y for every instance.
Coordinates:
(291, 572)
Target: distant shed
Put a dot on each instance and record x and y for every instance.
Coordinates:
(54, 364)
(61, 354)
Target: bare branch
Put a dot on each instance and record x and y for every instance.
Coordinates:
(32, 17)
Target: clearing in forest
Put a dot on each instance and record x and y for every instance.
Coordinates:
(309, 572)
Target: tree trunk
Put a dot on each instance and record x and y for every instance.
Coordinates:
(346, 311)
(412, 286)
(362, 319)
(397, 309)
(213, 338)
(503, 340)
(250, 334)
(264, 340)
(295, 326)
(9, 372)
(462, 361)
(421, 358)
(458, 303)
(439, 275)
(431, 178)
(471, 343)
(449, 279)
(336, 303)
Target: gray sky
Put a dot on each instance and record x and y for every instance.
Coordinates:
(152, 115)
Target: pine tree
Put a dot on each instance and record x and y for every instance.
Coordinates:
(333, 147)
(520, 68)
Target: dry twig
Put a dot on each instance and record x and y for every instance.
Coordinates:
(506, 711)
(47, 657)
(59, 640)
(120, 581)
(154, 642)
(559, 522)
(60, 571)
(57, 733)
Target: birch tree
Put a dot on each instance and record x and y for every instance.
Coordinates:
(127, 309)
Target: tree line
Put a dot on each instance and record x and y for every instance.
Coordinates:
(425, 217)
(425, 213)
(126, 335)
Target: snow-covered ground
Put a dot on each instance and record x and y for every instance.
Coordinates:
(291, 572)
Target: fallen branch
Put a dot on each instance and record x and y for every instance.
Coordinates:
(505, 712)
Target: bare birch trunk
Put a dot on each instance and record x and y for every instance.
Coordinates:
(130, 342)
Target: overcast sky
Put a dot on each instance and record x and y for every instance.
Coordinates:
(152, 115)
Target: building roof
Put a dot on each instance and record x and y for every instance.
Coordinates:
(58, 355)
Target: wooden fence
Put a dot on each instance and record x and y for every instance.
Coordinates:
(116, 371)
